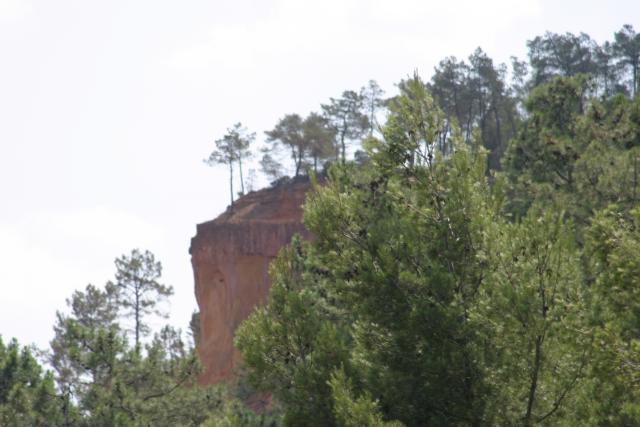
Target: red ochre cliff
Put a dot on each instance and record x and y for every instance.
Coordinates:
(230, 257)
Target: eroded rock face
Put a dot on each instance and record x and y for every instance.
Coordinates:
(230, 257)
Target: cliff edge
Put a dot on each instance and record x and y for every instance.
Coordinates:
(230, 257)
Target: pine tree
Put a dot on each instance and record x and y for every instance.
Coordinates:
(372, 102)
(241, 141)
(27, 394)
(234, 146)
(138, 289)
(347, 119)
(92, 310)
(225, 153)
(627, 48)
(289, 132)
(319, 137)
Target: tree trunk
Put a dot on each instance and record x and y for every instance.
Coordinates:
(534, 382)
(231, 180)
(456, 107)
(635, 177)
(497, 151)
(343, 133)
(297, 158)
(537, 361)
(65, 407)
(342, 147)
(137, 319)
(241, 177)
(467, 137)
(635, 80)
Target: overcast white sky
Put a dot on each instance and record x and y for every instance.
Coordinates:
(107, 109)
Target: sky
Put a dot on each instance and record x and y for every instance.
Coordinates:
(107, 109)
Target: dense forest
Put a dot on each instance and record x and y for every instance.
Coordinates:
(475, 262)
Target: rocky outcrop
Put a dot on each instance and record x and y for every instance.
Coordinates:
(230, 257)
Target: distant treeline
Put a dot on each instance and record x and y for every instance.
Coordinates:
(474, 95)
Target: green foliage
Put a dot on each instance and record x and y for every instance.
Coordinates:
(289, 132)
(91, 310)
(394, 269)
(233, 147)
(309, 139)
(350, 412)
(103, 381)
(476, 96)
(455, 296)
(271, 167)
(27, 396)
(443, 308)
(347, 117)
(121, 386)
(235, 414)
(613, 65)
(319, 137)
(534, 312)
(291, 344)
(224, 154)
(613, 245)
(372, 101)
(415, 127)
(560, 55)
(627, 48)
(574, 152)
